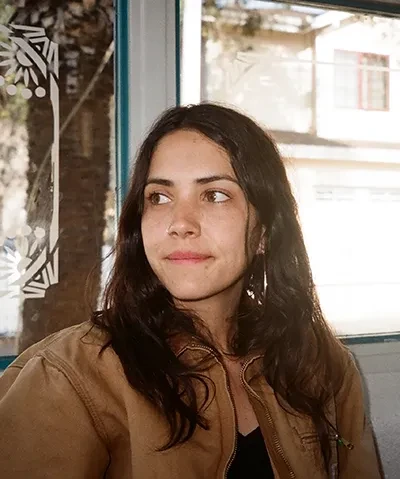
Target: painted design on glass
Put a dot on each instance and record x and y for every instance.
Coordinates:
(29, 262)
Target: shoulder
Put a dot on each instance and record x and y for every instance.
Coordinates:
(64, 344)
(48, 404)
(67, 370)
(351, 375)
(354, 426)
(77, 352)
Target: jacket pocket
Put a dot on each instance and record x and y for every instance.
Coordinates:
(312, 448)
(312, 438)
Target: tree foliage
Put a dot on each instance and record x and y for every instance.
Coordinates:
(215, 19)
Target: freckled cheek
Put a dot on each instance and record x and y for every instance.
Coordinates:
(153, 231)
(229, 234)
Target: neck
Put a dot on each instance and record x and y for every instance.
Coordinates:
(216, 314)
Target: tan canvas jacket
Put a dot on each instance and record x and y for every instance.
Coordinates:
(68, 413)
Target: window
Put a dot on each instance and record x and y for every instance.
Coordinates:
(361, 80)
(345, 169)
(57, 165)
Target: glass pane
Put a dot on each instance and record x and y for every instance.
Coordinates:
(57, 164)
(294, 68)
(377, 81)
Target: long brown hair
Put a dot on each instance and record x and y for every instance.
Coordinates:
(301, 355)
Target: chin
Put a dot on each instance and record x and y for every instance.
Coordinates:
(191, 291)
(190, 296)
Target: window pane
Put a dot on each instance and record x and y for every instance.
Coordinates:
(376, 82)
(57, 164)
(298, 71)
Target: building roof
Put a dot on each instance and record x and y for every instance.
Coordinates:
(296, 138)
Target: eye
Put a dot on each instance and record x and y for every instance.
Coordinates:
(158, 198)
(214, 196)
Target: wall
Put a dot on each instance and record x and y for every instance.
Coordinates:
(261, 76)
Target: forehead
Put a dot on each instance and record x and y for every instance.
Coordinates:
(189, 153)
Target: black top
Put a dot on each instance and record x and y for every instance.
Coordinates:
(251, 460)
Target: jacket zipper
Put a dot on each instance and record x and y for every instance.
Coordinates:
(275, 440)
(277, 446)
(344, 442)
(340, 439)
(233, 454)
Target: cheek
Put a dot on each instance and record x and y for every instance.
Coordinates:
(242, 237)
(229, 232)
(151, 231)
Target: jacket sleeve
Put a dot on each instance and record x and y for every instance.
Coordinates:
(46, 430)
(361, 462)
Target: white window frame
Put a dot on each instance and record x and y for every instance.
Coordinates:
(152, 44)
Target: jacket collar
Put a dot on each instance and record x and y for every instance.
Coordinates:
(183, 343)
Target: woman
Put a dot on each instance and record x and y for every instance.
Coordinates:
(211, 357)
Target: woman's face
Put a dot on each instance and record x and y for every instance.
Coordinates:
(196, 222)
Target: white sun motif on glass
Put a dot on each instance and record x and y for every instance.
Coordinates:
(21, 67)
(29, 67)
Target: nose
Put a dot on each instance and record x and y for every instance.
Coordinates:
(184, 221)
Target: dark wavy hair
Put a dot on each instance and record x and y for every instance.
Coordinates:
(301, 356)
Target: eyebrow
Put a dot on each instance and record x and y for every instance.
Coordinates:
(199, 181)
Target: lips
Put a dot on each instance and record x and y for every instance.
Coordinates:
(187, 256)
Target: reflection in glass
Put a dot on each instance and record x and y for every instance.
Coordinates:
(57, 164)
(326, 85)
